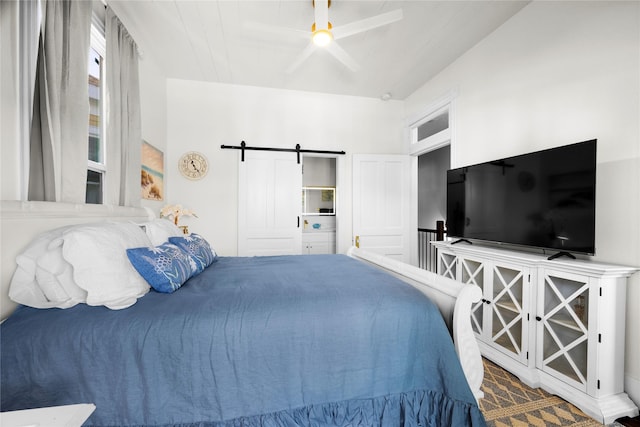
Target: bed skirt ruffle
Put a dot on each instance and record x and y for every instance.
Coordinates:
(410, 409)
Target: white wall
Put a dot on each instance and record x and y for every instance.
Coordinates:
(203, 116)
(318, 171)
(153, 105)
(554, 74)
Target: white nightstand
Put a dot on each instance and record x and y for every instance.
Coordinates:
(55, 416)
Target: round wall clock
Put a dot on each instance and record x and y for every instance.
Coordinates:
(193, 165)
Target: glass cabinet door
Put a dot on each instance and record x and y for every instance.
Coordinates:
(472, 272)
(500, 318)
(563, 327)
(507, 316)
(447, 265)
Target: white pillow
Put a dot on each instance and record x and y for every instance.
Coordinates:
(52, 267)
(98, 255)
(159, 231)
(42, 279)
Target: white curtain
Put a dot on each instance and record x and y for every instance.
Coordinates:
(59, 127)
(124, 123)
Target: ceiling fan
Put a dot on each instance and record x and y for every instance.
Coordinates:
(324, 35)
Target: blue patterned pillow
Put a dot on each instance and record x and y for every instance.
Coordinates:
(198, 248)
(165, 267)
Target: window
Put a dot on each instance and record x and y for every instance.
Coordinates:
(95, 106)
(96, 166)
(432, 128)
(433, 125)
(95, 185)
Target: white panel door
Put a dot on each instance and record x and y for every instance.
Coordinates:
(269, 204)
(381, 204)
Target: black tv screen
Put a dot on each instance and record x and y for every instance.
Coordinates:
(544, 199)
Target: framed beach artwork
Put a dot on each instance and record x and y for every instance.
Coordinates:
(152, 174)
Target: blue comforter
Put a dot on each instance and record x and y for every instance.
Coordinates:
(264, 341)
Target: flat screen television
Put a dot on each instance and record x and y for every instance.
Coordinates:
(544, 199)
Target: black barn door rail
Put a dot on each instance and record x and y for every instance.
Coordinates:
(243, 146)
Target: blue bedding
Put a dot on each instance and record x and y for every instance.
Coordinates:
(264, 341)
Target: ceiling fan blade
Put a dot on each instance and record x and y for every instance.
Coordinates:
(321, 14)
(301, 58)
(283, 32)
(341, 55)
(366, 24)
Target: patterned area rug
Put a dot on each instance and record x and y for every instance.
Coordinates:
(509, 403)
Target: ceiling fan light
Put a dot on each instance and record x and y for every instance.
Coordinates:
(322, 37)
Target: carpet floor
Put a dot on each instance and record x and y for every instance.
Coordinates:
(509, 403)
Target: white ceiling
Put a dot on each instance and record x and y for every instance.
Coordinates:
(213, 41)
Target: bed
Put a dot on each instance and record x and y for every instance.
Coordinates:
(284, 341)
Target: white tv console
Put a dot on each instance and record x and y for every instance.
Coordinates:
(558, 324)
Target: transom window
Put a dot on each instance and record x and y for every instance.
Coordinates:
(431, 129)
(433, 125)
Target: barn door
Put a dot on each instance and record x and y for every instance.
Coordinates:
(269, 204)
(382, 203)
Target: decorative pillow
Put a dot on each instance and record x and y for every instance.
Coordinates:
(165, 267)
(198, 248)
(43, 278)
(159, 231)
(97, 253)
